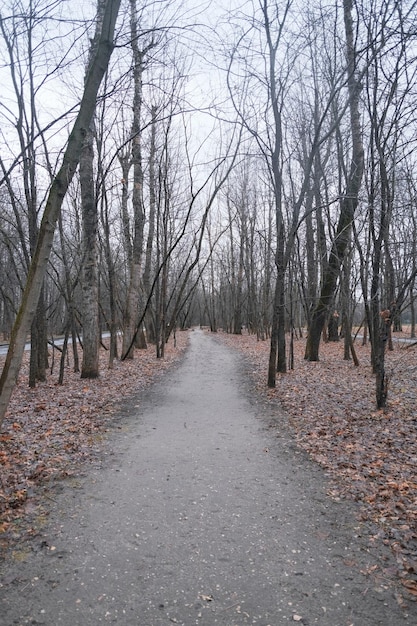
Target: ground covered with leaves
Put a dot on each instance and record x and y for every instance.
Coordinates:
(53, 431)
(370, 454)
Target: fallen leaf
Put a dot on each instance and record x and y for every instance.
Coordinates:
(207, 598)
(411, 586)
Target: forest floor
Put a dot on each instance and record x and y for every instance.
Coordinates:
(55, 431)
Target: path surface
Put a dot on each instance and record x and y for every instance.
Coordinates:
(203, 516)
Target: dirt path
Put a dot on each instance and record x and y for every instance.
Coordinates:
(201, 516)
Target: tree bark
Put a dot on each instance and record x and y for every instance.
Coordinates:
(38, 344)
(135, 278)
(278, 348)
(59, 187)
(237, 314)
(348, 203)
(90, 326)
(381, 378)
(149, 319)
(89, 281)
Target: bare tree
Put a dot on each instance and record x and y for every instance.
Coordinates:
(275, 69)
(135, 278)
(349, 200)
(89, 280)
(19, 35)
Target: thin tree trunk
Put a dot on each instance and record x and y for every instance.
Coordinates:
(68, 296)
(348, 203)
(273, 350)
(111, 277)
(149, 321)
(131, 336)
(126, 163)
(38, 344)
(63, 357)
(277, 358)
(381, 378)
(237, 315)
(89, 281)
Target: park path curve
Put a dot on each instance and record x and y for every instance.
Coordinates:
(203, 514)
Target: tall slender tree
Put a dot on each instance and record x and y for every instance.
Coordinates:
(348, 202)
(89, 280)
(135, 270)
(23, 60)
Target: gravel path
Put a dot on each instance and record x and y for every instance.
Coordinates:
(201, 515)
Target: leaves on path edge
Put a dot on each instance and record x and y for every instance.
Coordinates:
(52, 432)
(370, 454)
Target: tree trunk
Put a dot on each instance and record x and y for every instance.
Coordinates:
(68, 296)
(333, 327)
(26, 130)
(126, 163)
(381, 377)
(348, 203)
(273, 350)
(412, 313)
(237, 314)
(149, 319)
(212, 305)
(277, 355)
(131, 335)
(38, 344)
(90, 322)
(111, 276)
(59, 187)
(89, 284)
